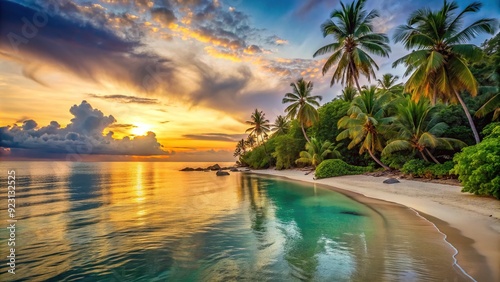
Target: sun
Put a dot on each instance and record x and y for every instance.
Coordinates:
(140, 129)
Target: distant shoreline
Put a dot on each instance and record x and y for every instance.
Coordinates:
(455, 214)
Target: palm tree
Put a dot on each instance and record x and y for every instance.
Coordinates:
(438, 64)
(366, 122)
(303, 105)
(388, 83)
(349, 93)
(317, 151)
(250, 141)
(352, 30)
(259, 125)
(492, 105)
(418, 129)
(241, 148)
(281, 125)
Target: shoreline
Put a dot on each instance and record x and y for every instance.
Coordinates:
(470, 223)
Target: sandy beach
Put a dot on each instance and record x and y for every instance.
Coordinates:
(471, 223)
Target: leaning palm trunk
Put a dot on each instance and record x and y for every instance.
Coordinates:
(432, 156)
(304, 132)
(378, 161)
(467, 113)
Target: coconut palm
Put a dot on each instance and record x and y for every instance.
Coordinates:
(388, 83)
(352, 30)
(317, 151)
(281, 125)
(302, 104)
(250, 141)
(349, 93)
(418, 130)
(492, 105)
(259, 125)
(366, 123)
(241, 148)
(438, 64)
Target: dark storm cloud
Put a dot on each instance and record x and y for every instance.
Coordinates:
(216, 137)
(125, 99)
(84, 135)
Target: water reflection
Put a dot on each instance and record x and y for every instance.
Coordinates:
(147, 222)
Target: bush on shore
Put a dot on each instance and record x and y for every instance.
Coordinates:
(336, 167)
(478, 166)
(421, 168)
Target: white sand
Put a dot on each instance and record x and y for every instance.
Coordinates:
(477, 218)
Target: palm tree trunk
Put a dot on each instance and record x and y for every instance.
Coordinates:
(304, 132)
(432, 156)
(264, 144)
(357, 84)
(423, 156)
(467, 113)
(378, 161)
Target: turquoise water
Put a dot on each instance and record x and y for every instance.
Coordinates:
(150, 222)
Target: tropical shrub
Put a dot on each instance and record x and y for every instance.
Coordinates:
(316, 152)
(287, 151)
(396, 161)
(336, 167)
(415, 167)
(478, 166)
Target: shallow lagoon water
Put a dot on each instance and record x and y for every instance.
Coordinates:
(149, 222)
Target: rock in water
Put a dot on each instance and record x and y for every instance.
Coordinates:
(214, 167)
(391, 181)
(221, 173)
(233, 169)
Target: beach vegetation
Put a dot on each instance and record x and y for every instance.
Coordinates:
(317, 151)
(337, 167)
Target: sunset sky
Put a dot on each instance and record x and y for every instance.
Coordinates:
(78, 77)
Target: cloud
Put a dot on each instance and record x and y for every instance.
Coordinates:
(216, 137)
(125, 99)
(122, 126)
(163, 15)
(275, 40)
(83, 136)
(80, 48)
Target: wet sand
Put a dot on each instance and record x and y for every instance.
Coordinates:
(471, 223)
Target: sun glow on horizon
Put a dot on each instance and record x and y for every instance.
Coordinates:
(141, 129)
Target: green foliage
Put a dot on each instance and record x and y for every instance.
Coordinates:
(261, 157)
(316, 152)
(421, 168)
(336, 167)
(478, 166)
(287, 151)
(415, 167)
(396, 161)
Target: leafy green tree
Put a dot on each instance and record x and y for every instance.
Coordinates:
(366, 123)
(438, 64)
(287, 151)
(418, 130)
(478, 166)
(259, 125)
(352, 30)
(317, 151)
(302, 104)
(281, 125)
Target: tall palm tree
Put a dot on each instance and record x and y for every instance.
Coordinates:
(281, 125)
(438, 64)
(366, 123)
(349, 93)
(418, 129)
(352, 30)
(259, 125)
(317, 151)
(303, 104)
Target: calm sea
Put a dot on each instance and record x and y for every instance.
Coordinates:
(149, 222)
